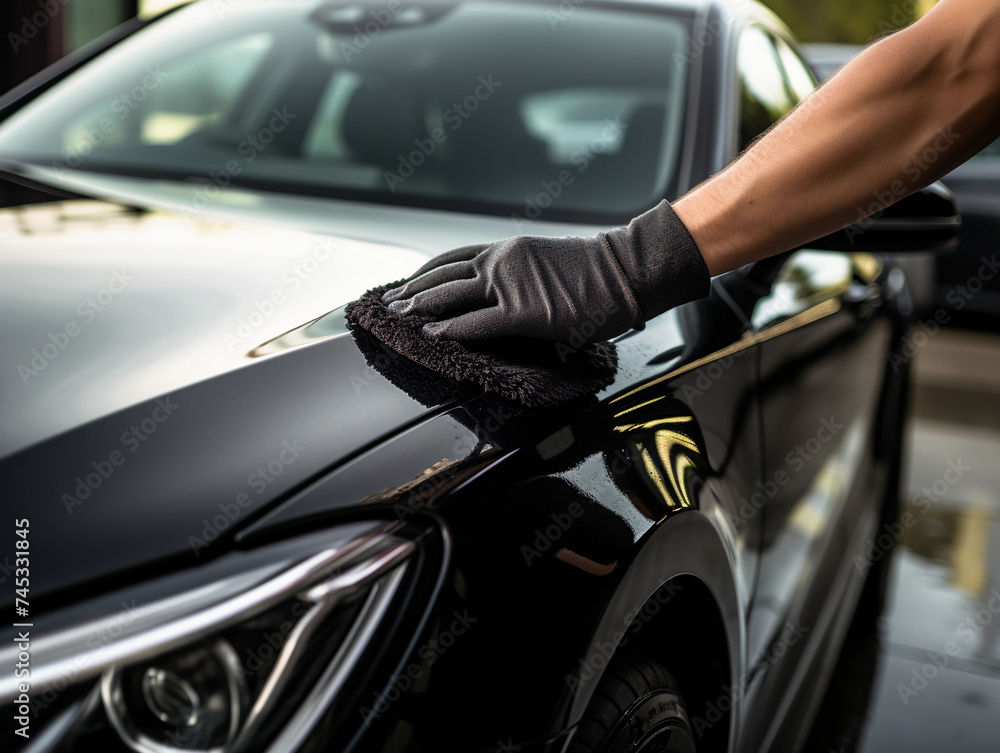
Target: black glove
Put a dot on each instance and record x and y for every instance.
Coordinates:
(564, 289)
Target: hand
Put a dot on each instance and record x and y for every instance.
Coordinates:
(563, 289)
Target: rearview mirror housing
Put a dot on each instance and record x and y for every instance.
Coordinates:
(925, 222)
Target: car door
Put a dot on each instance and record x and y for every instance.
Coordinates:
(822, 360)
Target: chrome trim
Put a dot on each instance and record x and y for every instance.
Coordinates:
(326, 596)
(329, 685)
(360, 576)
(168, 623)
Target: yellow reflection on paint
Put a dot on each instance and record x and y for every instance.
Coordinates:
(653, 424)
(654, 473)
(820, 310)
(637, 407)
(666, 439)
(685, 465)
(675, 463)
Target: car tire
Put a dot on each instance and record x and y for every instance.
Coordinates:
(637, 707)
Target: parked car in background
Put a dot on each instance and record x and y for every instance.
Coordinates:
(246, 532)
(953, 282)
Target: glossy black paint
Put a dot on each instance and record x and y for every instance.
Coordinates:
(963, 286)
(924, 222)
(620, 518)
(968, 281)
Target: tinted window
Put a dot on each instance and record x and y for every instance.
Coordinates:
(992, 151)
(798, 76)
(764, 96)
(511, 105)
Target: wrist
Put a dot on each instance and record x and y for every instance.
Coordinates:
(661, 260)
(716, 255)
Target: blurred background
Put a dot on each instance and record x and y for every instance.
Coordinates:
(945, 570)
(72, 23)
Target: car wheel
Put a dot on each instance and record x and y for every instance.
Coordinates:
(636, 708)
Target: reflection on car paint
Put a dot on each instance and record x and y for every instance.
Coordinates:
(670, 446)
(326, 326)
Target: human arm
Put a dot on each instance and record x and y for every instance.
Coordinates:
(905, 112)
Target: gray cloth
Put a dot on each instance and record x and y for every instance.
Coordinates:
(532, 373)
(562, 289)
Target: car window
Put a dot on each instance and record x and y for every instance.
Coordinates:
(990, 152)
(506, 106)
(764, 97)
(798, 76)
(175, 100)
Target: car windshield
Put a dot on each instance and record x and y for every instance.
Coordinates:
(991, 152)
(488, 106)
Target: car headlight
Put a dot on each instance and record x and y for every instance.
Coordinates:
(250, 658)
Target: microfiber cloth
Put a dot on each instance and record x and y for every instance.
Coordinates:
(531, 372)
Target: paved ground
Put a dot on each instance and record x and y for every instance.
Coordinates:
(927, 676)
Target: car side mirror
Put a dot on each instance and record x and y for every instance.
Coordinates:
(925, 222)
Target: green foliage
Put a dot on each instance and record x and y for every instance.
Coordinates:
(844, 21)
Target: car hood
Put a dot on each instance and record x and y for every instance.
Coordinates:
(144, 414)
(102, 307)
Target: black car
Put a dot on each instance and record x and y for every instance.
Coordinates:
(240, 525)
(960, 289)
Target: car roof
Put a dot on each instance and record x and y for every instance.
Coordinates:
(738, 12)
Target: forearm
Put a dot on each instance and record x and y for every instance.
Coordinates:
(903, 114)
